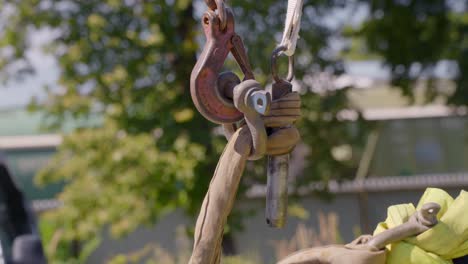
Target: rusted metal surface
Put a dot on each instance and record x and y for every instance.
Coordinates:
(212, 103)
(240, 54)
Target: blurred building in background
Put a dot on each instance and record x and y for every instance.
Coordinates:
(27, 149)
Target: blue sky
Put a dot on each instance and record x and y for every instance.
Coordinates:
(19, 93)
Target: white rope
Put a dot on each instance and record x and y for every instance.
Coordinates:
(292, 26)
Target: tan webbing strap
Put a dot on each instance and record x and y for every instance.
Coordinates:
(220, 198)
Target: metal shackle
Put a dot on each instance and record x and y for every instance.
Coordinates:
(253, 102)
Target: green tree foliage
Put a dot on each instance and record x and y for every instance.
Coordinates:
(130, 61)
(412, 36)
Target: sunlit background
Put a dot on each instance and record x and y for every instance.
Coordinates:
(99, 132)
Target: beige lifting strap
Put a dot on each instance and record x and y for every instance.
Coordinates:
(220, 198)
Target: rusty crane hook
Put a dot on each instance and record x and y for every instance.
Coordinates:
(211, 92)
